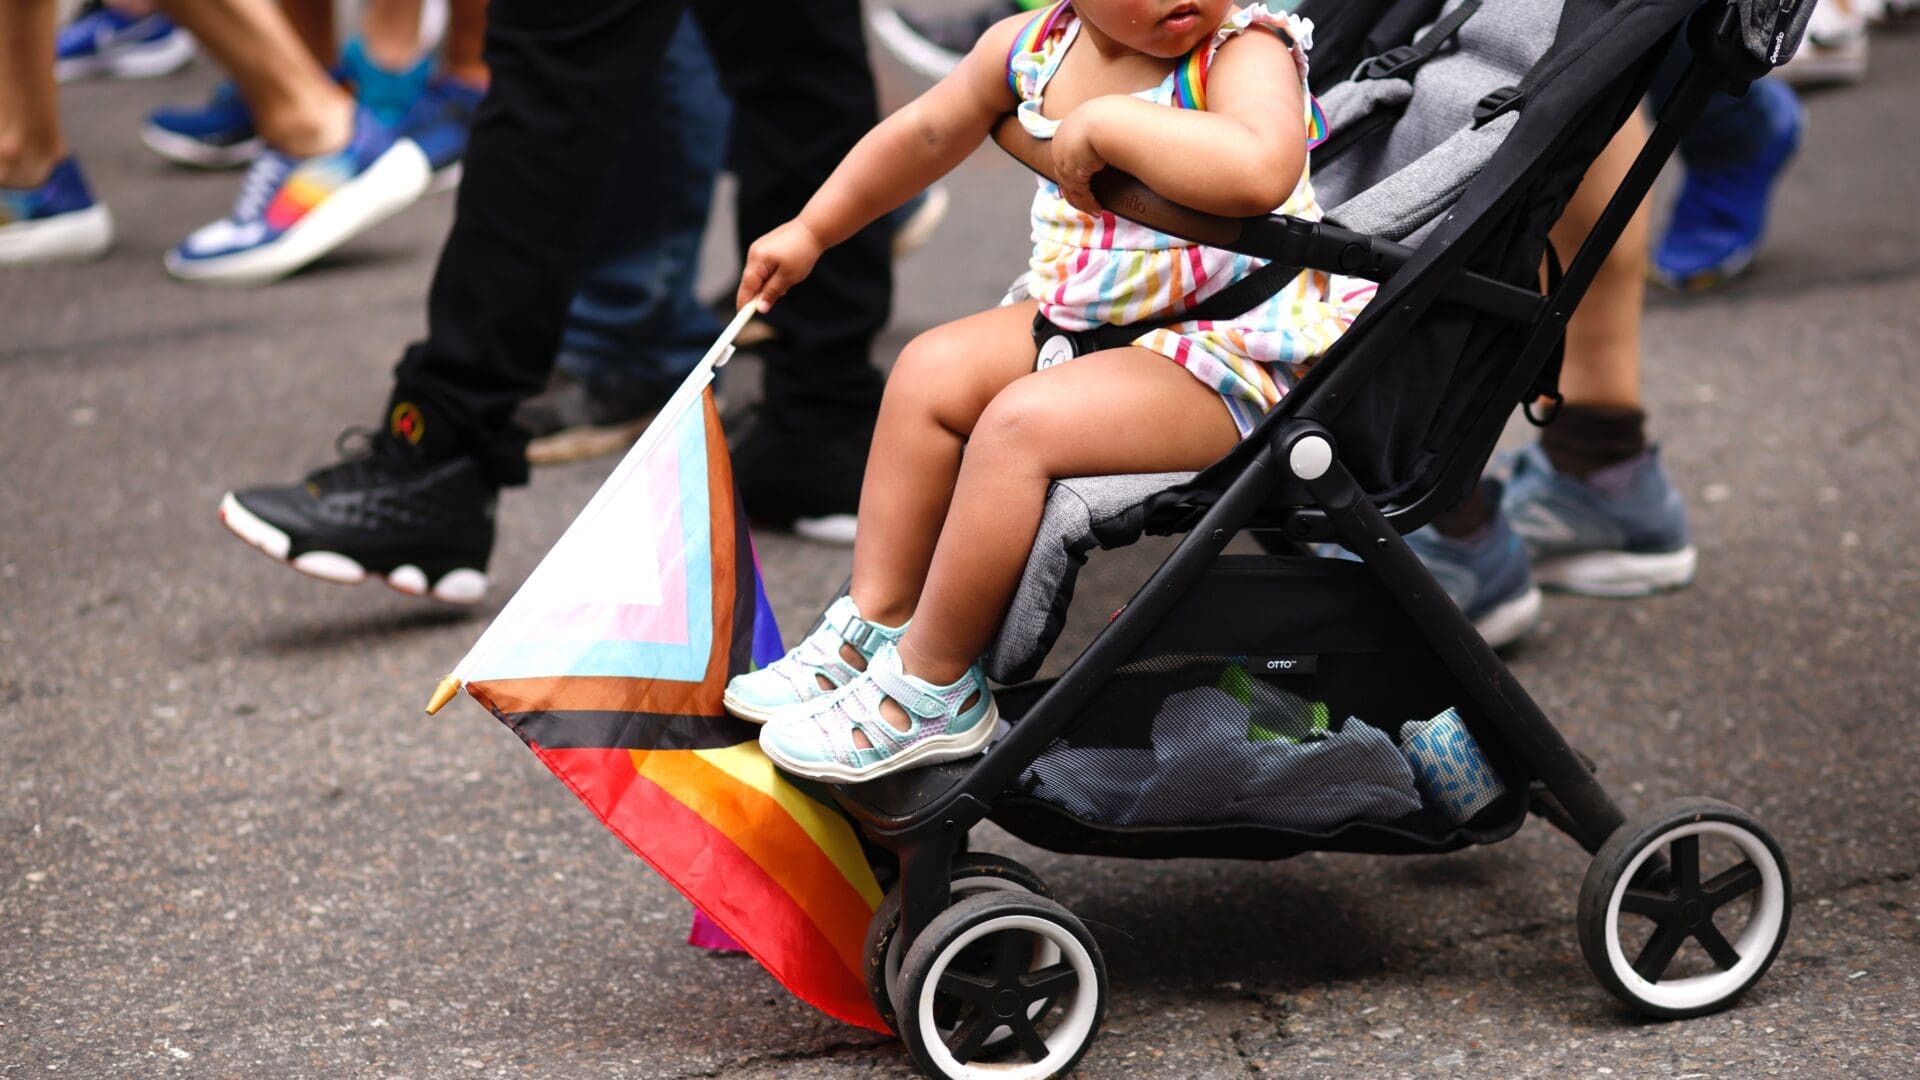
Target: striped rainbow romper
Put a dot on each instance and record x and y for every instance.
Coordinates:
(1088, 270)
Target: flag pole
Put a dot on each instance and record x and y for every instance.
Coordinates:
(689, 390)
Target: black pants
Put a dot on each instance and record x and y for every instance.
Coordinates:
(567, 75)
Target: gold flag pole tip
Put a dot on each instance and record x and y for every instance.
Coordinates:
(442, 694)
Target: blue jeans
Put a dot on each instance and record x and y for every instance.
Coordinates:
(1732, 130)
(634, 329)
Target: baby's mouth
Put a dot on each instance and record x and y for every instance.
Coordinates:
(1181, 18)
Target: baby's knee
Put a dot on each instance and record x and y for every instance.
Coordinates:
(1019, 423)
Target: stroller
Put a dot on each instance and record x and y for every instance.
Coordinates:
(1260, 706)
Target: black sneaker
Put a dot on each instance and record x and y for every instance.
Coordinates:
(933, 44)
(425, 526)
(803, 480)
(571, 420)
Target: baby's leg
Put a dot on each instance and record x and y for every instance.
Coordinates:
(1119, 411)
(935, 394)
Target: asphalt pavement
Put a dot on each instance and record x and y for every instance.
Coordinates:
(231, 845)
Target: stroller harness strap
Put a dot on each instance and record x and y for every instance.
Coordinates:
(1401, 61)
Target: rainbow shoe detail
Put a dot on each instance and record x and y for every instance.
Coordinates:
(59, 221)
(292, 211)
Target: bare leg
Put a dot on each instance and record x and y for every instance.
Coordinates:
(312, 22)
(31, 143)
(1120, 411)
(943, 381)
(297, 108)
(391, 29)
(466, 31)
(1603, 338)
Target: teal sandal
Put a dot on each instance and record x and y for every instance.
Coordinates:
(947, 723)
(794, 679)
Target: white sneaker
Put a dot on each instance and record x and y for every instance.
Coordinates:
(1835, 48)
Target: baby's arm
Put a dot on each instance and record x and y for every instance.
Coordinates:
(904, 153)
(1242, 156)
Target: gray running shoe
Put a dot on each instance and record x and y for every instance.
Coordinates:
(1620, 532)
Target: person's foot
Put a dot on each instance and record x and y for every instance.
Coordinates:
(216, 135)
(59, 221)
(1834, 49)
(438, 124)
(102, 42)
(384, 510)
(1620, 532)
(571, 420)
(1486, 574)
(292, 211)
(802, 479)
(916, 219)
(933, 44)
(1721, 213)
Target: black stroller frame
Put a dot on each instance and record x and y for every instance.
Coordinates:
(922, 817)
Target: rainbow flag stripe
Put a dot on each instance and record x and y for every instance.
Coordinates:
(610, 664)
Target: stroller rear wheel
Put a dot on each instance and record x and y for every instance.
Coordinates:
(1684, 908)
(972, 873)
(1005, 985)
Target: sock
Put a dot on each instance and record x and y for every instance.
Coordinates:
(1469, 519)
(388, 95)
(1587, 438)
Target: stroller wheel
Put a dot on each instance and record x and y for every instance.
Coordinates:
(972, 873)
(1002, 984)
(1684, 907)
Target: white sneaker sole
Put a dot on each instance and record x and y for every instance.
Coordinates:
(1512, 620)
(76, 236)
(395, 181)
(928, 752)
(461, 586)
(910, 48)
(835, 530)
(195, 154)
(147, 61)
(1618, 574)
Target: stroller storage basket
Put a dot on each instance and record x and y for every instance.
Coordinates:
(1284, 705)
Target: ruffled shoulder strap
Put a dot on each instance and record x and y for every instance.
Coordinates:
(1190, 81)
(1028, 55)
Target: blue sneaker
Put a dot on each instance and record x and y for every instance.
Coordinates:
(55, 222)
(1721, 214)
(102, 42)
(439, 121)
(1486, 575)
(1620, 532)
(292, 211)
(217, 135)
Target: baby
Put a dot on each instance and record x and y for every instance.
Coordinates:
(1207, 105)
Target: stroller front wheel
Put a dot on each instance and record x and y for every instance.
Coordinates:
(1684, 908)
(971, 873)
(1002, 985)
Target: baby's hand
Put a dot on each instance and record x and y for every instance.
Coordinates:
(777, 262)
(1075, 158)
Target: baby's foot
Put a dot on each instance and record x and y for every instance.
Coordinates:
(829, 658)
(845, 738)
